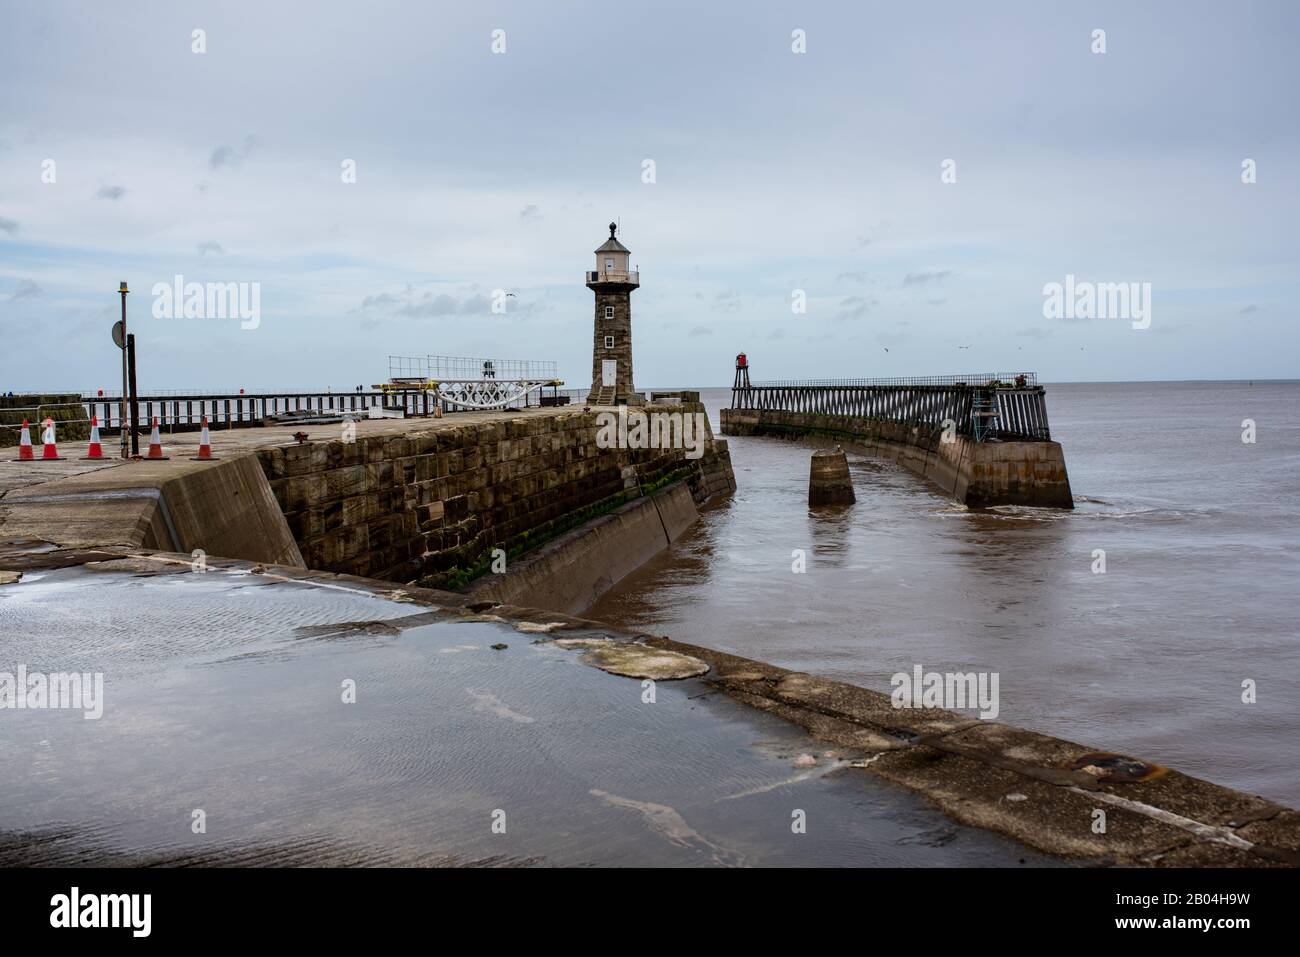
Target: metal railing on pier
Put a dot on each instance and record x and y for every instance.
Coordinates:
(1019, 379)
(185, 412)
(1011, 407)
(181, 413)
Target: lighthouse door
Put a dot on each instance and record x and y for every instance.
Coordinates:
(608, 371)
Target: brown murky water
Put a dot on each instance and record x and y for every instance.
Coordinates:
(1202, 540)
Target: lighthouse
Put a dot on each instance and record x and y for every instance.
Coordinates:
(611, 355)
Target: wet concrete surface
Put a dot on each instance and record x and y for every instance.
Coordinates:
(224, 692)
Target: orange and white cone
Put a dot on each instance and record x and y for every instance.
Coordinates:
(205, 445)
(155, 442)
(96, 450)
(25, 444)
(51, 451)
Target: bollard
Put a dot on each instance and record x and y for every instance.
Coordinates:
(828, 479)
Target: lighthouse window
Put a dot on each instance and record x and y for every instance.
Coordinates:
(609, 342)
(609, 312)
(609, 265)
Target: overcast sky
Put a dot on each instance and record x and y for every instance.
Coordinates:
(774, 172)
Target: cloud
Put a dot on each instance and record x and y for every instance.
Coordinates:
(476, 305)
(701, 331)
(1034, 332)
(530, 213)
(228, 156)
(111, 192)
(26, 290)
(922, 278)
(859, 277)
(383, 299)
(726, 301)
(210, 247)
(855, 307)
(430, 306)
(224, 156)
(1248, 310)
(433, 305)
(10, 226)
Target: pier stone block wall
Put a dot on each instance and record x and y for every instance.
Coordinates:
(429, 505)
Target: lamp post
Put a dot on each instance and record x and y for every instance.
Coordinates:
(122, 344)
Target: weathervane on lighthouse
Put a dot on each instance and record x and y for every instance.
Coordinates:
(611, 360)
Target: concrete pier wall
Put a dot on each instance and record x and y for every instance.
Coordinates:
(976, 474)
(228, 509)
(224, 508)
(431, 504)
(569, 573)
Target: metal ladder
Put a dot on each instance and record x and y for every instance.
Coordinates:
(984, 413)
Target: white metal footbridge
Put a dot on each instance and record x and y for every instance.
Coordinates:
(469, 383)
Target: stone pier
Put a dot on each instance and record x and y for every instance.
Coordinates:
(976, 474)
(427, 501)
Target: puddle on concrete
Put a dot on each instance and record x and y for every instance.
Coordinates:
(225, 694)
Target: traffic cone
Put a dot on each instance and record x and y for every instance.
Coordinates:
(205, 445)
(96, 450)
(51, 451)
(155, 443)
(25, 444)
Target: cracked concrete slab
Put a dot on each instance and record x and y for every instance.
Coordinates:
(633, 660)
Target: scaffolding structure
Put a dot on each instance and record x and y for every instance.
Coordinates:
(466, 369)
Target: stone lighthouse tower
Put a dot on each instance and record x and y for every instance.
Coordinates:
(611, 356)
